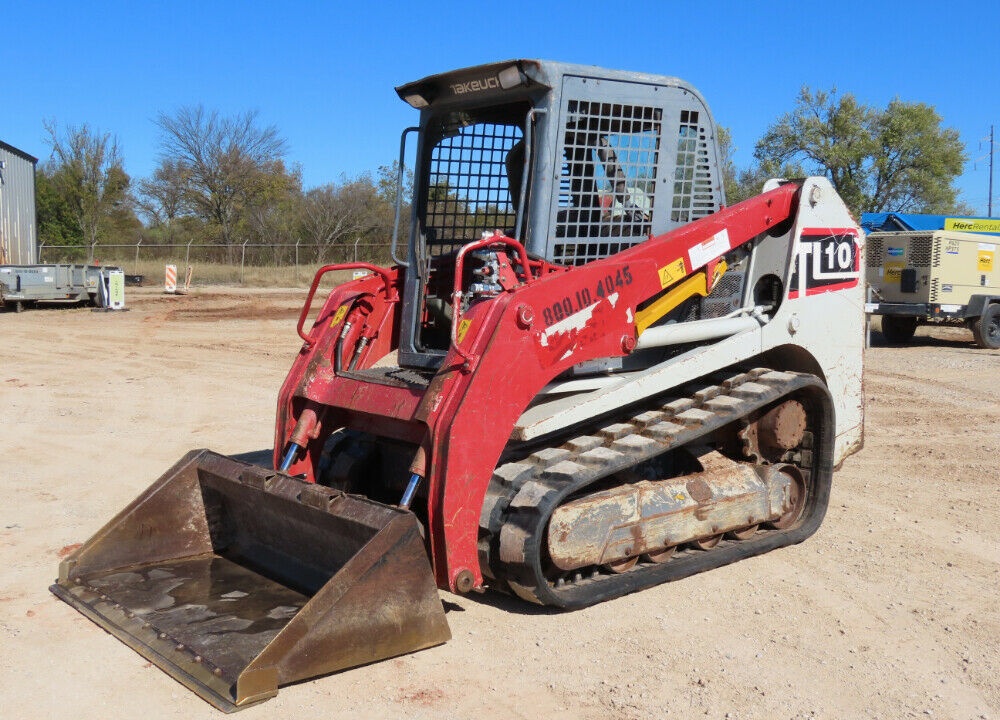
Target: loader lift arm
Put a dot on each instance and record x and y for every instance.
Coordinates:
(513, 346)
(566, 329)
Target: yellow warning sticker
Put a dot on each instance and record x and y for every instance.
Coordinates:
(339, 315)
(463, 328)
(669, 274)
(894, 271)
(985, 262)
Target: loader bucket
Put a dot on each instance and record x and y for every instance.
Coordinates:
(236, 579)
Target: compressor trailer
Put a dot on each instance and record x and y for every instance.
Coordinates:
(942, 277)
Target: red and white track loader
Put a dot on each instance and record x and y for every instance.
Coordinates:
(584, 376)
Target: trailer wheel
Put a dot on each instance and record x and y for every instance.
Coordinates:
(898, 329)
(986, 330)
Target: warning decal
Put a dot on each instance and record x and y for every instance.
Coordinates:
(669, 274)
(339, 315)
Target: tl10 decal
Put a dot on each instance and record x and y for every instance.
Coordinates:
(830, 262)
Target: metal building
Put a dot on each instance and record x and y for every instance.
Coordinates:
(18, 235)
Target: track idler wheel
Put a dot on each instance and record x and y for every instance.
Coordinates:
(780, 429)
(797, 495)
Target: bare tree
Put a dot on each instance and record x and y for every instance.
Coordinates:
(87, 170)
(341, 214)
(162, 197)
(226, 163)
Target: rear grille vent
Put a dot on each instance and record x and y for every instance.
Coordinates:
(920, 251)
(876, 251)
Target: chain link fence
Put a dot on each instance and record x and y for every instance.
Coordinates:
(268, 264)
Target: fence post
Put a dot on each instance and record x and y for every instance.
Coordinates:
(356, 241)
(187, 255)
(93, 247)
(243, 257)
(137, 244)
(297, 241)
(41, 247)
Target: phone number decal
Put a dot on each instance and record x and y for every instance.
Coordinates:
(585, 297)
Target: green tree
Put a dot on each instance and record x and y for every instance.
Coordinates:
(896, 159)
(387, 182)
(748, 182)
(271, 205)
(751, 180)
(86, 171)
(727, 165)
(56, 222)
(120, 224)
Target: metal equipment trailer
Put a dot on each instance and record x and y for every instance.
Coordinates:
(22, 286)
(942, 277)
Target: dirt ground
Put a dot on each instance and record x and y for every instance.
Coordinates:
(890, 611)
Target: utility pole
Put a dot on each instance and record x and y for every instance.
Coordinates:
(989, 202)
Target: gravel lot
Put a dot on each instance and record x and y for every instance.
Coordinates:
(891, 610)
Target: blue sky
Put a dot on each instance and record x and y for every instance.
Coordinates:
(324, 73)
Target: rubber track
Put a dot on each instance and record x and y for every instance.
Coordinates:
(526, 492)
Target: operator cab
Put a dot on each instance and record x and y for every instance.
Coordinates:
(575, 162)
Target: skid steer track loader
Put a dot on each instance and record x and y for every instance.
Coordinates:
(585, 376)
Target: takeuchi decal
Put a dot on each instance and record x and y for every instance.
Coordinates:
(486, 83)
